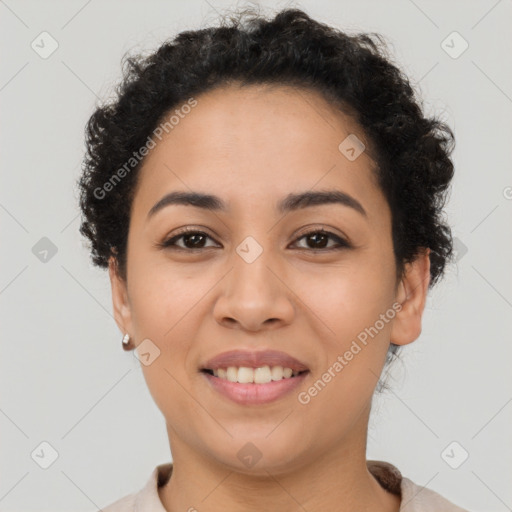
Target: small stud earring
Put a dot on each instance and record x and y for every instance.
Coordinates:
(126, 342)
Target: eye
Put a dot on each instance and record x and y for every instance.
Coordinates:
(320, 238)
(193, 239)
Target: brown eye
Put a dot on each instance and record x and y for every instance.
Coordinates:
(319, 239)
(191, 240)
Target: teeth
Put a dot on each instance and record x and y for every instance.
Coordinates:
(245, 375)
(232, 374)
(260, 375)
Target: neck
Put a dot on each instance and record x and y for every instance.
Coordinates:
(337, 480)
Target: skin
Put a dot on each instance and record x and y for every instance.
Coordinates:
(252, 147)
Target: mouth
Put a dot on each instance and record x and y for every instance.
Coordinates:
(253, 377)
(247, 375)
(259, 386)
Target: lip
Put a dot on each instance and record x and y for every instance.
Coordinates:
(255, 394)
(252, 359)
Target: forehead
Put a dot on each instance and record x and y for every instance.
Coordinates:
(257, 142)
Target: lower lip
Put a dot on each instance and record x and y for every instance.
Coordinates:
(255, 394)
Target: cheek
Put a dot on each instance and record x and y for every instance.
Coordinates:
(353, 348)
(163, 305)
(161, 295)
(354, 304)
(347, 297)
(165, 309)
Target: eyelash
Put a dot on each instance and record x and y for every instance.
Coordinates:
(170, 243)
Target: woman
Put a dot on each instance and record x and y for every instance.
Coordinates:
(267, 196)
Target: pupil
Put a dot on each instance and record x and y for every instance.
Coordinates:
(315, 236)
(194, 237)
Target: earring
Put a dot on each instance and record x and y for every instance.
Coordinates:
(126, 342)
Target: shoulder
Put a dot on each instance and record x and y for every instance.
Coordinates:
(421, 499)
(125, 504)
(147, 497)
(414, 498)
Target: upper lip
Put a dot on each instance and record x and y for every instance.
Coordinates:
(249, 359)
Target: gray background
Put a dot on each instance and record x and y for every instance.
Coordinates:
(65, 379)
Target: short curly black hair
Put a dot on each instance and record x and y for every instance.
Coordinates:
(352, 72)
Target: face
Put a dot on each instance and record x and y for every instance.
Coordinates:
(310, 280)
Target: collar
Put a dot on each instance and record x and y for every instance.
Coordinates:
(388, 476)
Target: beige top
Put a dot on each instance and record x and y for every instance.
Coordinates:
(414, 498)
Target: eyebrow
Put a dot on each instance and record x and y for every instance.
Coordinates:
(291, 202)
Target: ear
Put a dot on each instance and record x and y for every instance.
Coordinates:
(120, 301)
(412, 295)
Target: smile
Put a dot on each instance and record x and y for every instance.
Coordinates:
(254, 386)
(261, 375)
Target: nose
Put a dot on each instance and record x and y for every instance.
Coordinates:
(254, 296)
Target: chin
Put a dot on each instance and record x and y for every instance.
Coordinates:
(261, 456)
